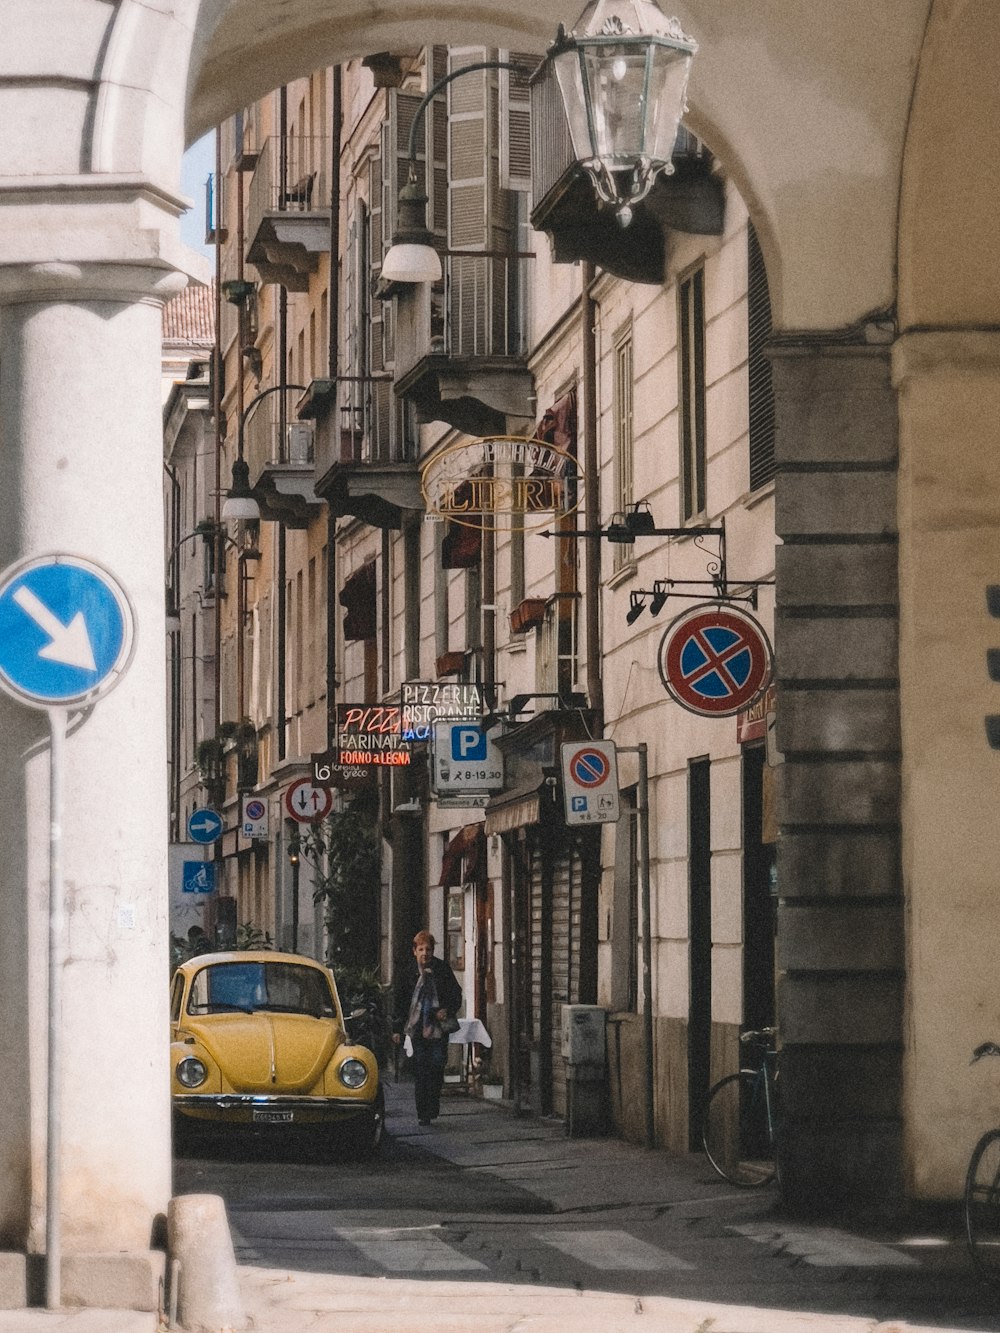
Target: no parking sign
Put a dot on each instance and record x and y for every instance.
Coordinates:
(590, 782)
(715, 660)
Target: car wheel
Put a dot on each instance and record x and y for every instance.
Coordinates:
(367, 1131)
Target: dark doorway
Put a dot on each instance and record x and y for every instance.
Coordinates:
(700, 944)
(758, 896)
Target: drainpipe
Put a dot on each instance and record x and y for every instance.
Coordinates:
(591, 485)
(175, 658)
(280, 573)
(220, 444)
(333, 367)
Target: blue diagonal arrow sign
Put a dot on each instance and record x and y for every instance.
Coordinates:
(66, 631)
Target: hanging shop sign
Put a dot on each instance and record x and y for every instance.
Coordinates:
(751, 723)
(590, 782)
(465, 759)
(371, 735)
(423, 703)
(328, 771)
(501, 483)
(715, 660)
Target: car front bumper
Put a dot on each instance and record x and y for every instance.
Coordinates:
(251, 1109)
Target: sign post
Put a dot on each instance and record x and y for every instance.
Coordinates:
(67, 632)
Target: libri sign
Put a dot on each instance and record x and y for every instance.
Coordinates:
(503, 483)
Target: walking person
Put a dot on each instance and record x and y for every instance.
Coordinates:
(427, 1001)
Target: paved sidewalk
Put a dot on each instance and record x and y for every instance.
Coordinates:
(576, 1177)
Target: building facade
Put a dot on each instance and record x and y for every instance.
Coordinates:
(649, 378)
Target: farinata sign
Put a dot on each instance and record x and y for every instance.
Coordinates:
(501, 482)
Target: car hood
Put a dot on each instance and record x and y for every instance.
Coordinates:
(265, 1052)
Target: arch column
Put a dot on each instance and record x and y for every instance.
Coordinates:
(81, 446)
(840, 935)
(949, 404)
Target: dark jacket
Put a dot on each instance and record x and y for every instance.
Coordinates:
(448, 990)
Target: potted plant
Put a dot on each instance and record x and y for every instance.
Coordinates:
(528, 614)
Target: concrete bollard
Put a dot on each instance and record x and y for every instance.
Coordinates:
(198, 1238)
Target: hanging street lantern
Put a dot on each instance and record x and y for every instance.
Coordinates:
(623, 73)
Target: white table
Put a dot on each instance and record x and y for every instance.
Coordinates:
(469, 1033)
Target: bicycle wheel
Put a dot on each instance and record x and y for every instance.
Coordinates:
(982, 1206)
(735, 1135)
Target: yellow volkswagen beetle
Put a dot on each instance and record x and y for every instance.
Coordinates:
(259, 1038)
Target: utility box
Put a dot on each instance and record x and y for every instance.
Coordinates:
(583, 1036)
(583, 1050)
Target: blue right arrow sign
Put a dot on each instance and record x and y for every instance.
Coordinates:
(204, 825)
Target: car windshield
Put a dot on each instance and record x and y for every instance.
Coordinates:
(284, 988)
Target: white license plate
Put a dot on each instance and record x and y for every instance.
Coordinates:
(272, 1117)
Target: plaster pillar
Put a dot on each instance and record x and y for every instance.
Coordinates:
(81, 453)
(840, 954)
(949, 405)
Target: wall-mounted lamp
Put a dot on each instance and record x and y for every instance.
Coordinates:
(638, 605)
(622, 72)
(659, 598)
(240, 501)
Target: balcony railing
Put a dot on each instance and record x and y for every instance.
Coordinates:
(270, 442)
(485, 306)
(303, 186)
(371, 421)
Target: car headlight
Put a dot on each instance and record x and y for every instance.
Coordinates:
(191, 1072)
(353, 1074)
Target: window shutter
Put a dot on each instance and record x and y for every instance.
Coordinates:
(515, 114)
(468, 150)
(759, 367)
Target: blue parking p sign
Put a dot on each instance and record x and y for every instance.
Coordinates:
(468, 744)
(199, 877)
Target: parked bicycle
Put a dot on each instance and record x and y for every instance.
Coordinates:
(982, 1194)
(738, 1132)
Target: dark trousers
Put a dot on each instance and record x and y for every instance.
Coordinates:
(428, 1074)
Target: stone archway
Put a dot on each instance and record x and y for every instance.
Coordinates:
(809, 109)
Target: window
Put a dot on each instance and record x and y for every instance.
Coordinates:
(761, 388)
(624, 453)
(691, 356)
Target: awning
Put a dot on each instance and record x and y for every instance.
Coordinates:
(512, 810)
(462, 856)
(558, 424)
(462, 544)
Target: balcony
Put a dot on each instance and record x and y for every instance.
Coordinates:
(580, 227)
(279, 453)
(288, 211)
(461, 349)
(364, 465)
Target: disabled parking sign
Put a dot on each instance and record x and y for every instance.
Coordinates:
(590, 782)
